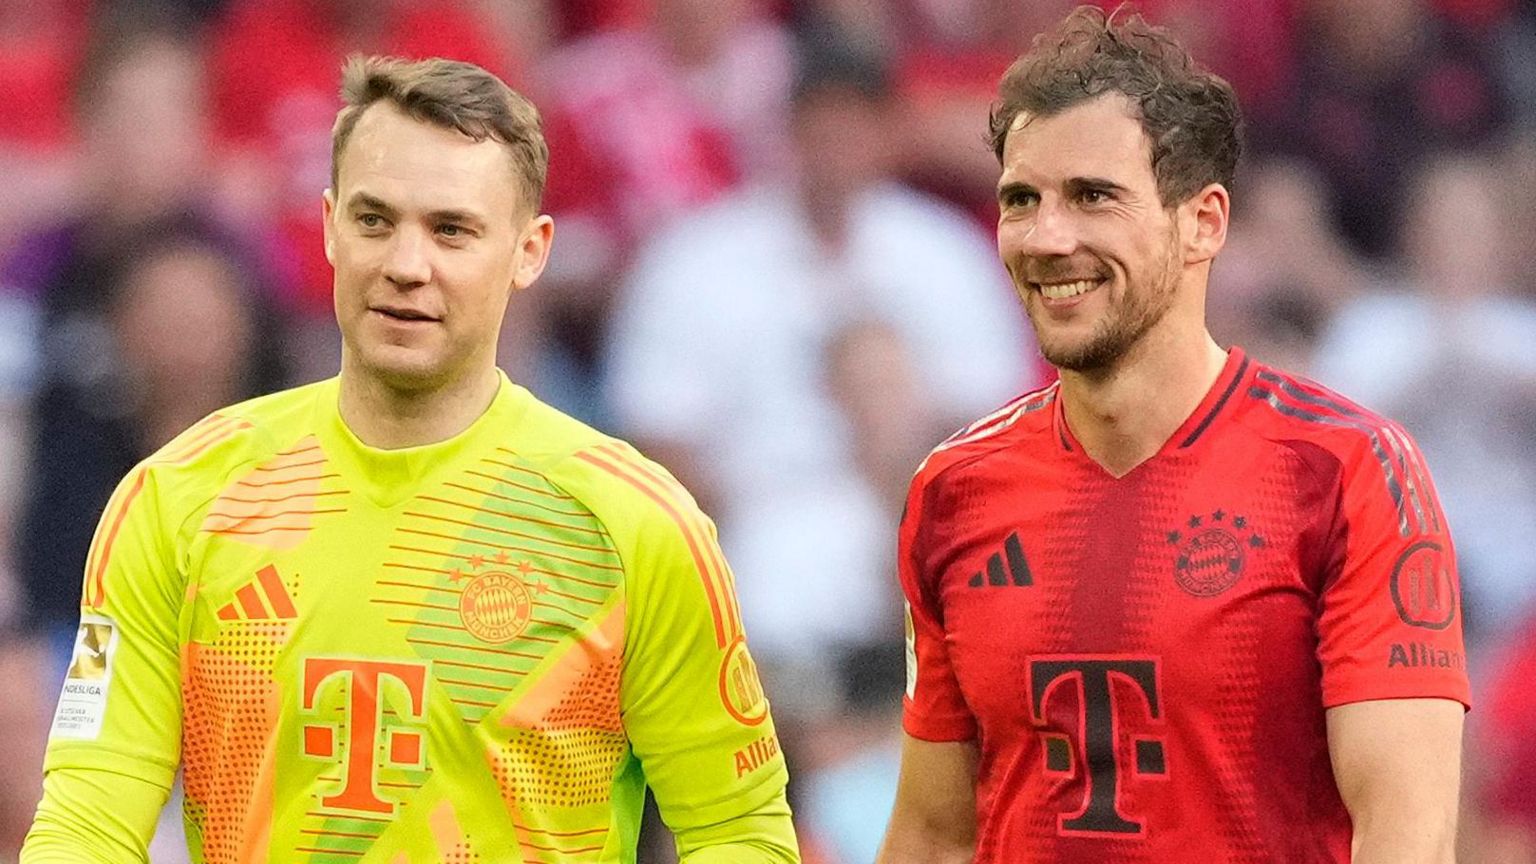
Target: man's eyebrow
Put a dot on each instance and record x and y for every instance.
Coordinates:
(1007, 190)
(1078, 184)
(465, 217)
(364, 201)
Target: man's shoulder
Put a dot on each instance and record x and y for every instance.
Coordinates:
(200, 459)
(1353, 445)
(1022, 421)
(608, 475)
(1284, 406)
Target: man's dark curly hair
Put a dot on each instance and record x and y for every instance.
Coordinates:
(1188, 113)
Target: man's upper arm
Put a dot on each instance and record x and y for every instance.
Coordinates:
(1397, 763)
(1390, 645)
(934, 819)
(693, 706)
(116, 733)
(933, 708)
(1390, 624)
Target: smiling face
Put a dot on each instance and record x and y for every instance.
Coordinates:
(1095, 256)
(428, 237)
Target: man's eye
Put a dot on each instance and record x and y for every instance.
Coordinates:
(370, 220)
(450, 230)
(1094, 196)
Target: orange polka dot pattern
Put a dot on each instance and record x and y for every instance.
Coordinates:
(231, 706)
(593, 703)
(569, 768)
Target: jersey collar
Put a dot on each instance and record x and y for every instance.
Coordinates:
(1217, 401)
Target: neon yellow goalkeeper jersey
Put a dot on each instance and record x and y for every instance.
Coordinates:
(480, 650)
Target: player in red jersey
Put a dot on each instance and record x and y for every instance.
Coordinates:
(1179, 606)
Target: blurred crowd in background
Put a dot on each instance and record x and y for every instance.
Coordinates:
(774, 272)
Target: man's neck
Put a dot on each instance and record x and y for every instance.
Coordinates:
(390, 418)
(1123, 416)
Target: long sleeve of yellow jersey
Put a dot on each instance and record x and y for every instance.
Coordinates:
(693, 708)
(115, 742)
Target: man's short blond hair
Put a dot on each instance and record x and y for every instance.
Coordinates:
(453, 95)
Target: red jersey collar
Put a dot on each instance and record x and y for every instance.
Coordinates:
(1200, 420)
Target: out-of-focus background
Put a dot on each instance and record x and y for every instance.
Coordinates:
(774, 272)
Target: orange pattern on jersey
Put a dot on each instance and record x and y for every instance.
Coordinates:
(231, 708)
(274, 504)
(569, 716)
(452, 844)
(248, 605)
(186, 446)
(626, 465)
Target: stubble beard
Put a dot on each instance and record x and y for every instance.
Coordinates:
(1121, 327)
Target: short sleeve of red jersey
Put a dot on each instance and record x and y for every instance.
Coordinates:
(1390, 622)
(933, 708)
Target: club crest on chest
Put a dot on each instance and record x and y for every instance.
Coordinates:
(1211, 550)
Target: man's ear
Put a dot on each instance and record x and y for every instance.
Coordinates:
(533, 251)
(328, 208)
(1203, 222)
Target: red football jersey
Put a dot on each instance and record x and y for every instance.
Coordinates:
(1145, 662)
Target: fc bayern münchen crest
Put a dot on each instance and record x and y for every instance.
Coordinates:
(1212, 550)
(495, 607)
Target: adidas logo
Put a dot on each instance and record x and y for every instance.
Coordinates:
(1007, 567)
(248, 605)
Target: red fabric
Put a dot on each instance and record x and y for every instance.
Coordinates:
(37, 67)
(629, 144)
(1510, 717)
(276, 70)
(1146, 666)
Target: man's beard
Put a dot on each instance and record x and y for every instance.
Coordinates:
(1123, 325)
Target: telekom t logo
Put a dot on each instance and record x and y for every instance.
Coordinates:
(363, 681)
(1103, 714)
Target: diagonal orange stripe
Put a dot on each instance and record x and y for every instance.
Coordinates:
(208, 428)
(217, 429)
(722, 572)
(693, 547)
(221, 437)
(277, 592)
(250, 603)
(105, 554)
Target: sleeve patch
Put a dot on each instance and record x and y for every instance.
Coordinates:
(1423, 587)
(83, 701)
(911, 652)
(741, 691)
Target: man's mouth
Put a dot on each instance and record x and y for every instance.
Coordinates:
(1065, 290)
(403, 314)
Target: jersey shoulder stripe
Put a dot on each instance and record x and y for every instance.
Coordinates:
(625, 464)
(1348, 429)
(187, 472)
(996, 423)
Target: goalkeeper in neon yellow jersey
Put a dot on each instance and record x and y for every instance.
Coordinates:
(411, 614)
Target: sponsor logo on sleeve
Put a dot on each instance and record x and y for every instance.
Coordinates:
(83, 700)
(756, 755)
(1423, 587)
(741, 691)
(1423, 655)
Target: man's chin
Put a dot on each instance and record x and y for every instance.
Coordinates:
(403, 369)
(1084, 356)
